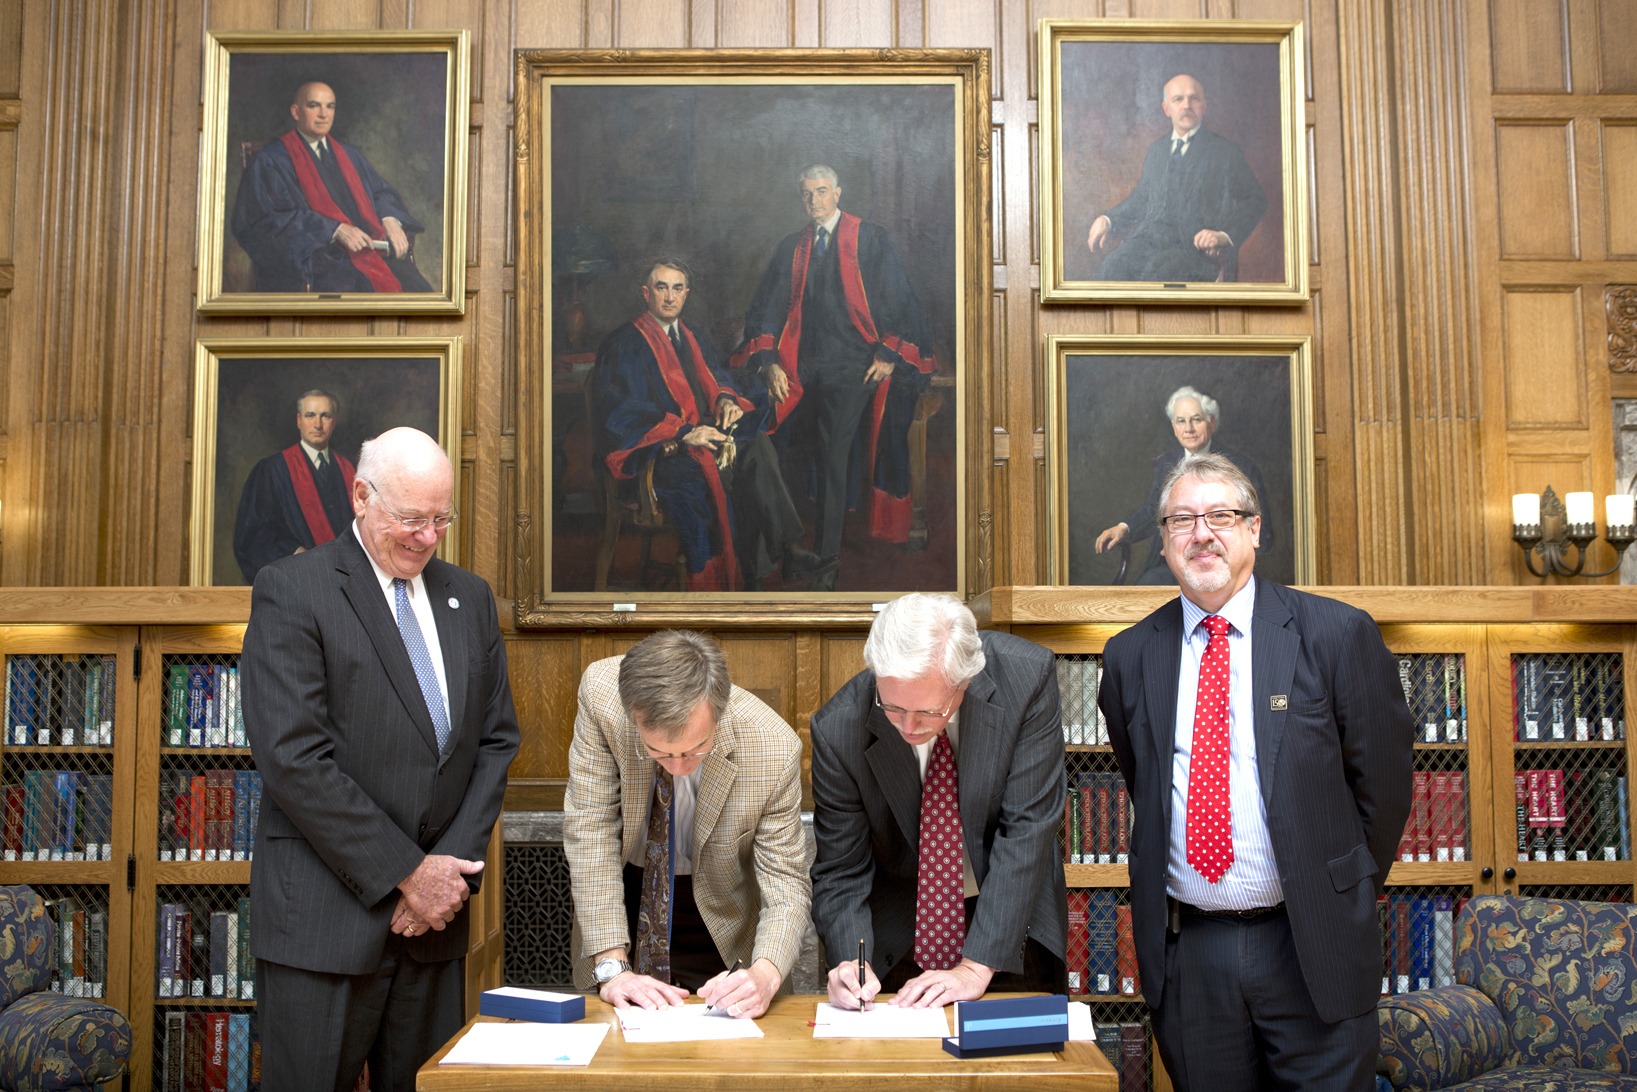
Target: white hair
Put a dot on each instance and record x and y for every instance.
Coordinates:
(920, 633)
(818, 170)
(380, 456)
(1207, 404)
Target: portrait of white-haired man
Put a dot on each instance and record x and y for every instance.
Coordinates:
(1194, 418)
(938, 786)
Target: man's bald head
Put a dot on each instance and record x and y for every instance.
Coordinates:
(313, 109)
(403, 477)
(1184, 103)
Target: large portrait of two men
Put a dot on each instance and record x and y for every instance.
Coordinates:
(753, 287)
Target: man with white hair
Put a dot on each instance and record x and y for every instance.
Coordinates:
(938, 785)
(378, 707)
(1194, 418)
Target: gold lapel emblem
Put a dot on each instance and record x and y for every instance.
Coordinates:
(1279, 703)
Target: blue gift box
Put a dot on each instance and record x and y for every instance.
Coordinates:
(1013, 1025)
(513, 1003)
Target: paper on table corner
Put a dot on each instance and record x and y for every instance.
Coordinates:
(881, 1022)
(527, 1044)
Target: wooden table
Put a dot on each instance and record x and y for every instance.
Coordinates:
(788, 1059)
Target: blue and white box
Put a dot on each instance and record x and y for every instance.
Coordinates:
(1012, 1025)
(514, 1003)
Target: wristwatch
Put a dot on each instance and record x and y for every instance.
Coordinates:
(607, 970)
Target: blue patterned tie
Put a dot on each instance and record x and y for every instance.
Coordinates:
(416, 646)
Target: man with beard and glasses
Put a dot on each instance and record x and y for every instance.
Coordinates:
(1264, 737)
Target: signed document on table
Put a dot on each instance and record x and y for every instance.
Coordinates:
(527, 1044)
(683, 1024)
(879, 1022)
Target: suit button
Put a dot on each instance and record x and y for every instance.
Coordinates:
(423, 828)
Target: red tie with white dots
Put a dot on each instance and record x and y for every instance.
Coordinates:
(1210, 821)
(940, 914)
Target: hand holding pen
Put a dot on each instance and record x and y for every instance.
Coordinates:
(743, 992)
(853, 985)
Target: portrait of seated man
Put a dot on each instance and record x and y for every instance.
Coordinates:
(1195, 206)
(315, 216)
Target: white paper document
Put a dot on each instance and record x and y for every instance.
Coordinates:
(684, 1024)
(527, 1044)
(533, 995)
(881, 1022)
(1080, 1025)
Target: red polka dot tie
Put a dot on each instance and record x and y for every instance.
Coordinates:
(940, 912)
(1210, 821)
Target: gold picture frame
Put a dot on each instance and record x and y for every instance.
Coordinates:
(245, 394)
(591, 206)
(1125, 218)
(1109, 442)
(400, 111)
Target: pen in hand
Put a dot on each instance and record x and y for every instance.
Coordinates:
(734, 970)
(860, 995)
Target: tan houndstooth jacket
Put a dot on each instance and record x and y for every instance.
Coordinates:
(750, 882)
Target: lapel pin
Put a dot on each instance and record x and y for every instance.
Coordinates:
(1279, 703)
(454, 604)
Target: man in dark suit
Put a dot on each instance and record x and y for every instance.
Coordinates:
(378, 708)
(299, 498)
(1194, 419)
(1265, 740)
(938, 786)
(1196, 204)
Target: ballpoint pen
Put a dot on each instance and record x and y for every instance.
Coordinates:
(859, 997)
(734, 970)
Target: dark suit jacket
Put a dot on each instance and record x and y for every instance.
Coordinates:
(867, 814)
(1220, 192)
(355, 794)
(1142, 521)
(1334, 767)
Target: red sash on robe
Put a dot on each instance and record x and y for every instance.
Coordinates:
(368, 262)
(721, 573)
(301, 476)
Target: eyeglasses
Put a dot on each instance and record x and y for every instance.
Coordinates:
(934, 714)
(660, 756)
(413, 526)
(1196, 420)
(1220, 520)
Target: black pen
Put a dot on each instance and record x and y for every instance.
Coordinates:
(736, 965)
(859, 997)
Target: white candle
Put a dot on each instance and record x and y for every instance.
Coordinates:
(1526, 509)
(1579, 506)
(1619, 507)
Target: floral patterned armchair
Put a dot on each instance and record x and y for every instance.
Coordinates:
(1545, 1001)
(47, 1040)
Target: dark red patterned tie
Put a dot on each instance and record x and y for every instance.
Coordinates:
(1210, 821)
(940, 913)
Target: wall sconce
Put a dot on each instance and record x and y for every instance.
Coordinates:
(1547, 526)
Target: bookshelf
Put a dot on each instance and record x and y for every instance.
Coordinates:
(1442, 638)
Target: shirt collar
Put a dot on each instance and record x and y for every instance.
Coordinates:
(313, 453)
(830, 224)
(381, 574)
(321, 142)
(1238, 611)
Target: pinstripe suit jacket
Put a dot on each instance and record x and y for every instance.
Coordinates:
(355, 793)
(1334, 767)
(748, 847)
(867, 814)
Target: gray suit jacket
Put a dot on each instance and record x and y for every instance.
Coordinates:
(355, 793)
(867, 814)
(1334, 767)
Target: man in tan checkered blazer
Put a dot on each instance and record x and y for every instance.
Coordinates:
(733, 828)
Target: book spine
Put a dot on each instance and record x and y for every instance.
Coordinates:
(238, 1051)
(1062, 663)
(167, 951)
(193, 1066)
(1457, 816)
(1443, 940)
(1384, 926)
(1079, 940)
(1122, 822)
(196, 706)
(1105, 820)
(1104, 969)
(247, 962)
(1432, 698)
(175, 1040)
(11, 825)
(1133, 1057)
(255, 811)
(1421, 915)
(1538, 816)
(1557, 815)
(218, 954)
(1126, 950)
(1608, 811)
(1520, 787)
(97, 955)
(1402, 939)
(197, 818)
(176, 708)
(196, 930)
(1440, 817)
(1070, 802)
(1580, 700)
(1452, 698)
(1608, 667)
(215, 1052)
(241, 815)
(1625, 819)
(1422, 790)
(107, 678)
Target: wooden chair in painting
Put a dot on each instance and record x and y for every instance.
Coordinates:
(629, 504)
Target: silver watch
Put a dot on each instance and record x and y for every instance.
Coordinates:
(607, 970)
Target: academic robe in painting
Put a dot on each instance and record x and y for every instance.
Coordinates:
(286, 506)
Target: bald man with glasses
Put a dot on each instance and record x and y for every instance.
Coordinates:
(682, 827)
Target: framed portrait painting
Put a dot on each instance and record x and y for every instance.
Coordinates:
(752, 309)
(1172, 161)
(1122, 411)
(277, 424)
(333, 172)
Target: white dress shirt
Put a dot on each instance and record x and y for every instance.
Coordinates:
(923, 755)
(1253, 878)
(316, 457)
(683, 792)
(423, 615)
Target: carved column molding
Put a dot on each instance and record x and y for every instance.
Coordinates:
(1620, 304)
(1370, 179)
(1439, 298)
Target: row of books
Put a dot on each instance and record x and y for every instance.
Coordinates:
(1559, 696)
(53, 700)
(1417, 940)
(1096, 820)
(1435, 690)
(1437, 827)
(79, 963)
(208, 816)
(1078, 677)
(57, 815)
(1572, 815)
(210, 1052)
(1126, 1048)
(1102, 957)
(202, 707)
(205, 953)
